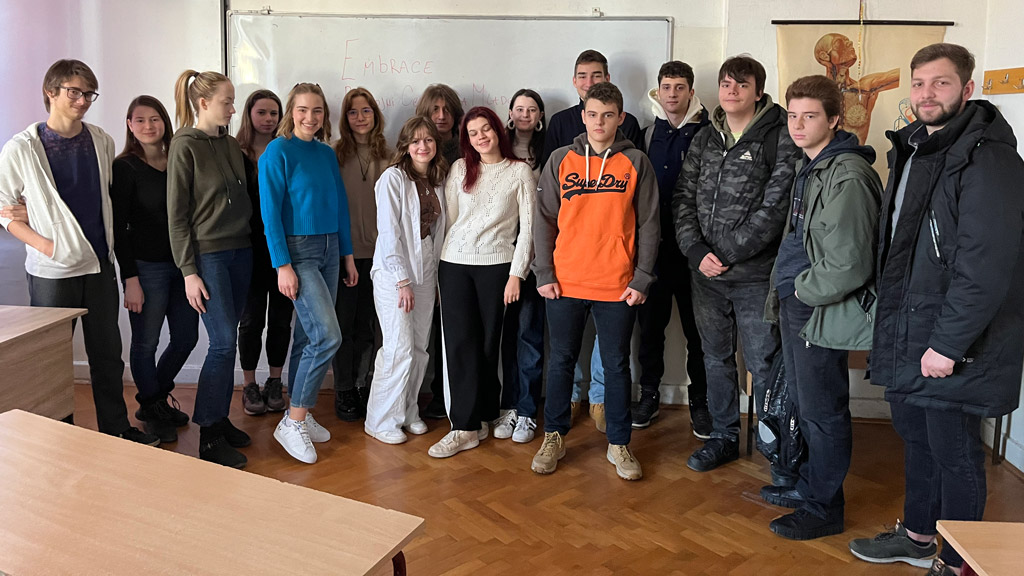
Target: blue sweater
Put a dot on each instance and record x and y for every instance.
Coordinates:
(301, 194)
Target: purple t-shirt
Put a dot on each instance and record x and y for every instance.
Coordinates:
(76, 172)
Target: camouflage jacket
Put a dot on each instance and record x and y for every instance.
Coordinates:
(733, 201)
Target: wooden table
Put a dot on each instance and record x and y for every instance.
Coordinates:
(74, 501)
(991, 548)
(37, 360)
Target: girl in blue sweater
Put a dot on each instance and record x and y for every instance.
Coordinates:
(305, 217)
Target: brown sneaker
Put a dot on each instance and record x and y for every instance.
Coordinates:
(626, 466)
(551, 451)
(574, 412)
(597, 414)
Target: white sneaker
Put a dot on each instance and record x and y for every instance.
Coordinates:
(418, 427)
(482, 433)
(294, 438)
(454, 442)
(317, 433)
(524, 430)
(387, 436)
(505, 424)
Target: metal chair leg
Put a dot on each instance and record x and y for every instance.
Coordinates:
(750, 422)
(997, 455)
(398, 563)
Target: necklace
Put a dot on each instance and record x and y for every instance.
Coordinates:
(364, 164)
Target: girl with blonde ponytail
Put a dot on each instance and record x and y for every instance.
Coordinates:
(208, 210)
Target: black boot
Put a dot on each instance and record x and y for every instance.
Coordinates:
(235, 437)
(214, 447)
(803, 525)
(700, 417)
(158, 421)
(347, 405)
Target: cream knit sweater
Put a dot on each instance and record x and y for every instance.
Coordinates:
(493, 223)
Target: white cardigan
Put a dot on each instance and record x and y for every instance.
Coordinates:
(25, 171)
(399, 249)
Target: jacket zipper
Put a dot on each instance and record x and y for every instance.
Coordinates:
(933, 225)
(718, 184)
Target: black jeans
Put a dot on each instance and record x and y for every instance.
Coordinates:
(567, 318)
(265, 306)
(99, 294)
(357, 317)
(471, 312)
(820, 387)
(945, 469)
(522, 351)
(654, 316)
(725, 309)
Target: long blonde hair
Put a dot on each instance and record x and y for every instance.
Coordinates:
(346, 144)
(287, 125)
(186, 96)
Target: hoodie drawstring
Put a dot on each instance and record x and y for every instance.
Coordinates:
(586, 151)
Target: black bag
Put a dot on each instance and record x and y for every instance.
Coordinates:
(778, 430)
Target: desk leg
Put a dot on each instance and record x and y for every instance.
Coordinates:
(69, 419)
(398, 563)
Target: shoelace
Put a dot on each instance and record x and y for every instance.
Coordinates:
(524, 423)
(508, 419)
(624, 454)
(253, 392)
(174, 401)
(451, 438)
(304, 433)
(550, 446)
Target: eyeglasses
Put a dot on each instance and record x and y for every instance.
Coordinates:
(75, 94)
(354, 113)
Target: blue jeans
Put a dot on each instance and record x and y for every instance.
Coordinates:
(567, 318)
(944, 467)
(226, 275)
(163, 290)
(596, 392)
(724, 310)
(317, 336)
(522, 351)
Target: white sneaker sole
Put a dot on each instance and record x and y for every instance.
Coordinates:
(919, 562)
(523, 439)
(304, 458)
(535, 468)
(502, 434)
(418, 428)
(467, 446)
(397, 437)
(620, 473)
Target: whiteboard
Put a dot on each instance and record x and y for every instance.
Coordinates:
(485, 59)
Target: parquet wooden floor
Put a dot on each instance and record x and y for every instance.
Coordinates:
(487, 513)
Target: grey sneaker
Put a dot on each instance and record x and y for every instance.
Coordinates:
(252, 400)
(273, 396)
(551, 451)
(893, 546)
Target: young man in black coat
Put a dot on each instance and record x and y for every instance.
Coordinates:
(948, 343)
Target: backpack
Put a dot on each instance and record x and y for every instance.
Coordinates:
(778, 431)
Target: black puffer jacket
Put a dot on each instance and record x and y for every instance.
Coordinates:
(952, 277)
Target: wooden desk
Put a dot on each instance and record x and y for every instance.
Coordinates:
(991, 548)
(36, 355)
(75, 501)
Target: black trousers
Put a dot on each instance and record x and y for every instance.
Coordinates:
(357, 317)
(99, 294)
(265, 306)
(471, 315)
(654, 316)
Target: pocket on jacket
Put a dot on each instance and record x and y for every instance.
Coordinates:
(606, 264)
(922, 310)
(60, 245)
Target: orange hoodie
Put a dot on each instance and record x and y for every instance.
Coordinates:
(596, 229)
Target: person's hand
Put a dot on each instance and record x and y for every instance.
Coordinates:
(406, 299)
(935, 365)
(551, 291)
(17, 212)
(351, 274)
(633, 297)
(288, 282)
(512, 290)
(133, 296)
(196, 292)
(711, 266)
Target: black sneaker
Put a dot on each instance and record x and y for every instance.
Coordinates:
(712, 454)
(252, 400)
(893, 546)
(273, 395)
(803, 525)
(235, 437)
(173, 411)
(435, 409)
(220, 452)
(163, 411)
(700, 418)
(140, 437)
(162, 429)
(785, 496)
(646, 410)
(347, 405)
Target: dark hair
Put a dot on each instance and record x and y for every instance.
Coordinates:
(820, 88)
(287, 126)
(537, 138)
(741, 69)
(676, 69)
(961, 58)
(346, 143)
(606, 93)
(63, 70)
(451, 99)
(131, 145)
(588, 56)
(469, 154)
(246, 134)
(438, 165)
